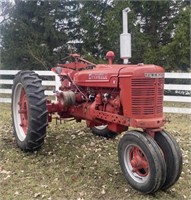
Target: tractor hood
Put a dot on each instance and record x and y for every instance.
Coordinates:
(108, 75)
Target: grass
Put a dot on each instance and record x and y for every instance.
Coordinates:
(177, 104)
(74, 164)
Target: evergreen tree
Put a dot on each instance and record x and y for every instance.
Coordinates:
(177, 52)
(41, 33)
(157, 23)
(93, 26)
(36, 36)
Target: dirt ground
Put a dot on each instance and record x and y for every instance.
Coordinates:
(74, 164)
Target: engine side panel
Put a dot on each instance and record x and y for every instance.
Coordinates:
(101, 76)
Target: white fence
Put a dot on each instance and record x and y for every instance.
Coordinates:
(6, 83)
(5, 88)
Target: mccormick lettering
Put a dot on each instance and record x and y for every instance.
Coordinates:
(97, 77)
(154, 75)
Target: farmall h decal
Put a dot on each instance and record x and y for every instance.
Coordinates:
(154, 75)
(97, 77)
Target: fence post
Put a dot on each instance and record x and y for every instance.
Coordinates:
(57, 80)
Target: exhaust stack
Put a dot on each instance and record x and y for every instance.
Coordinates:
(125, 38)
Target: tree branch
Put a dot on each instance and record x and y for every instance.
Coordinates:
(36, 58)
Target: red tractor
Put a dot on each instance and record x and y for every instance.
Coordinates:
(110, 98)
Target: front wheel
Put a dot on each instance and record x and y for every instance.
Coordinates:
(142, 162)
(172, 155)
(29, 113)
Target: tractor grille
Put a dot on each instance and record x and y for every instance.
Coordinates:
(147, 96)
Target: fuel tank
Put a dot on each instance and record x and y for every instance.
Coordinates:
(108, 75)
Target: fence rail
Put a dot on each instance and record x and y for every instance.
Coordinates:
(6, 83)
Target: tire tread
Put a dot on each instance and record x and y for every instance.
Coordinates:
(37, 108)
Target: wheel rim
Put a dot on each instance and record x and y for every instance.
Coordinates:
(101, 127)
(136, 163)
(20, 111)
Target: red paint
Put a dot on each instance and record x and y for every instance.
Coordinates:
(23, 111)
(117, 95)
(139, 162)
(110, 56)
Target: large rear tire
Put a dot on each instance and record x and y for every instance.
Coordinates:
(142, 162)
(172, 155)
(29, 112)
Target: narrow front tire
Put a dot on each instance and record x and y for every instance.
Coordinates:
(172, 155)
(142, 162)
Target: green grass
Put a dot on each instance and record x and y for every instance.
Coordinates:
(74, 164)
(177, 104)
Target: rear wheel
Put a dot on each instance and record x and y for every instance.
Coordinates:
(103, 131)
(29, 113)
(172, 155)
(142, 162)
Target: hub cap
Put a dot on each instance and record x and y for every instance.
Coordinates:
(136, 163)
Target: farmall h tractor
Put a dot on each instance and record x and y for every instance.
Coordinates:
(110, 98)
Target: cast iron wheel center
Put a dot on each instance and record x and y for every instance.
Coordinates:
(23, 111)
(139, 162)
